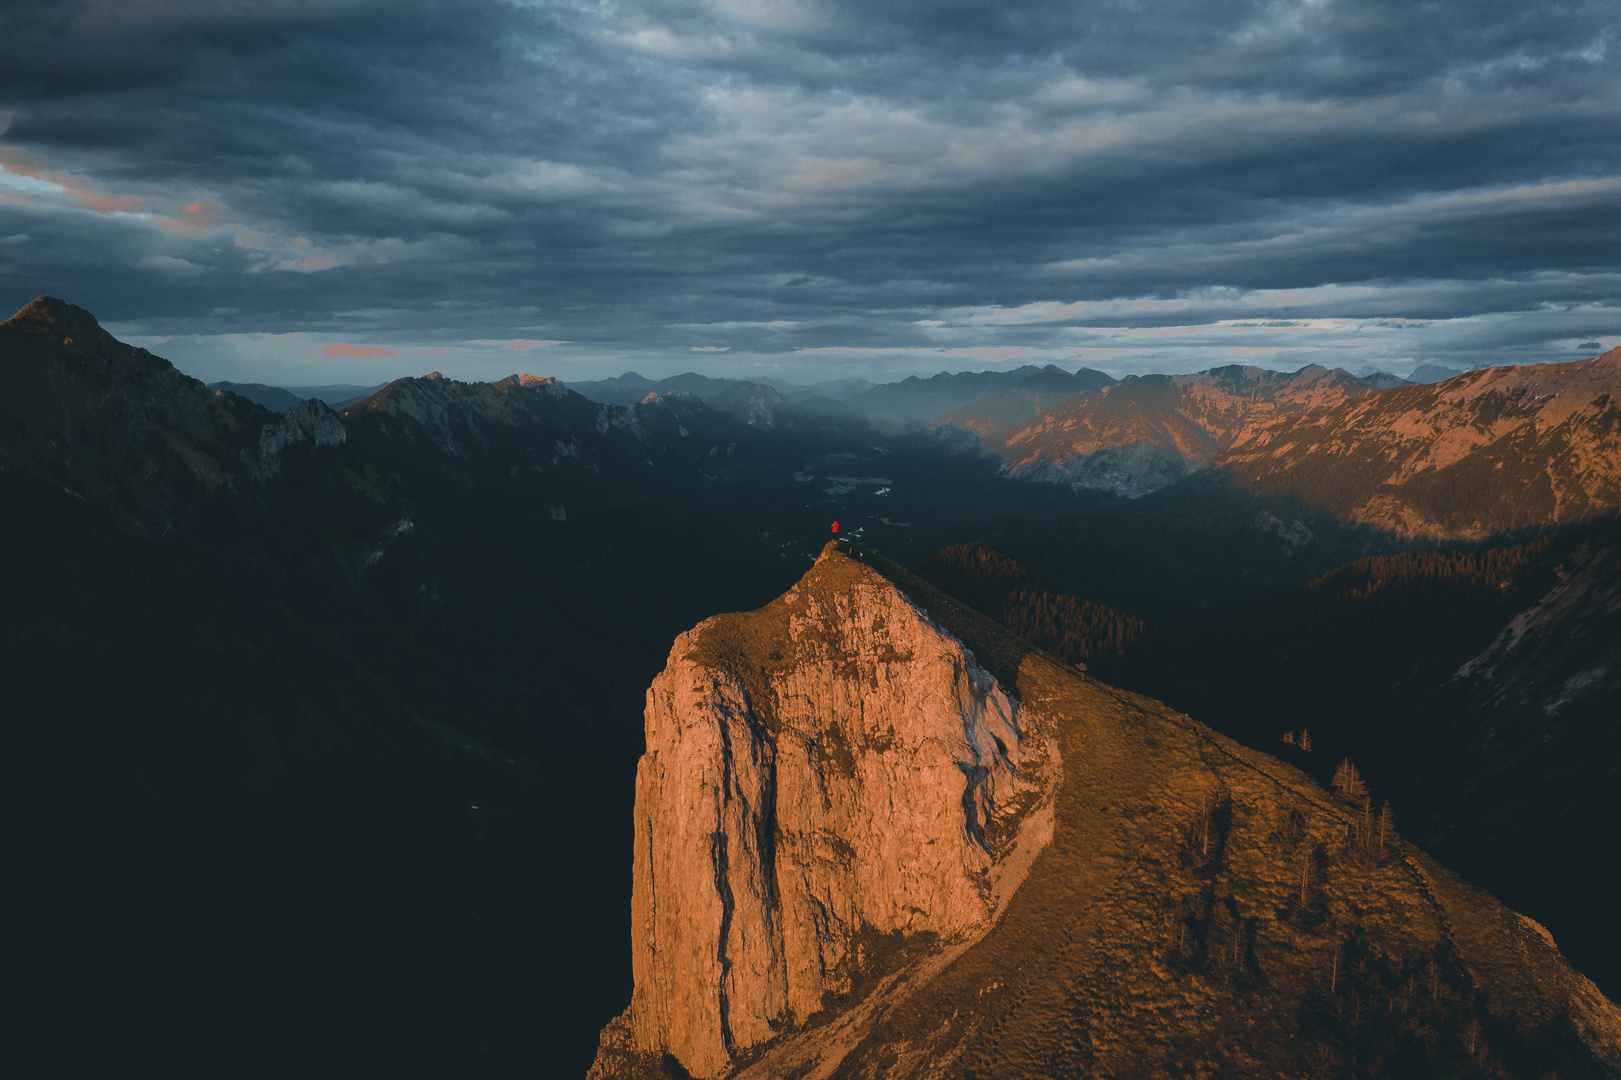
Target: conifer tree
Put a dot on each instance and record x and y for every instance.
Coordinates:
(1348, 783)
(1305, 740)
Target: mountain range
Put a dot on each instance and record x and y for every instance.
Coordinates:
(1497, 450)
(890, 408)
(1368, 451)
(995, 413)
(1146, 432)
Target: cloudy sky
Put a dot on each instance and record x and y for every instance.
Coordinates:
(312, 191)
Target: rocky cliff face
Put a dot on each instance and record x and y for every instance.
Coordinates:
(876, 836)
(831, 783)
(1486, 452)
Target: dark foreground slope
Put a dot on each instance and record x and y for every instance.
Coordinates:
(1200, 908)
(314, 768)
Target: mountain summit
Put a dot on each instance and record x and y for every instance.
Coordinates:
(878, 836)
(117, 426)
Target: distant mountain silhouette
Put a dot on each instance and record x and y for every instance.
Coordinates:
(534, 436)
(1433, 373)
(273, 398)
(750, 403)
(1380, 380)
(996, 413)
(914, 401)
(629, 388)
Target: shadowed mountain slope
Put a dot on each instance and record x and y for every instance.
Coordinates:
(535, 436)
(120, 427)
(290, 745)
(1490, 451)
(1195, 908)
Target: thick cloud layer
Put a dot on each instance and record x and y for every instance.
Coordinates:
(345, 190)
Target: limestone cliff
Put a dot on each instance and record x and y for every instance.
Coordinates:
(878, 836)
(827, 781)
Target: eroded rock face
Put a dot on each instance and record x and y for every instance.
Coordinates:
(827, 780)
(312, 420)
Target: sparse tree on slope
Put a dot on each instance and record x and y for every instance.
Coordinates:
(1348, 783)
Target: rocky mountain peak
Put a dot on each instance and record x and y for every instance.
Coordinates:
(123, 428)
(875, 836)
(834, 785)
(63, 323)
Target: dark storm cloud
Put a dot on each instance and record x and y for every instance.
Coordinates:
(818, 185)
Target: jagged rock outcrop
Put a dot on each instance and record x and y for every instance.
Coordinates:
(828, 782)
(310, 420)
(813, 899)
